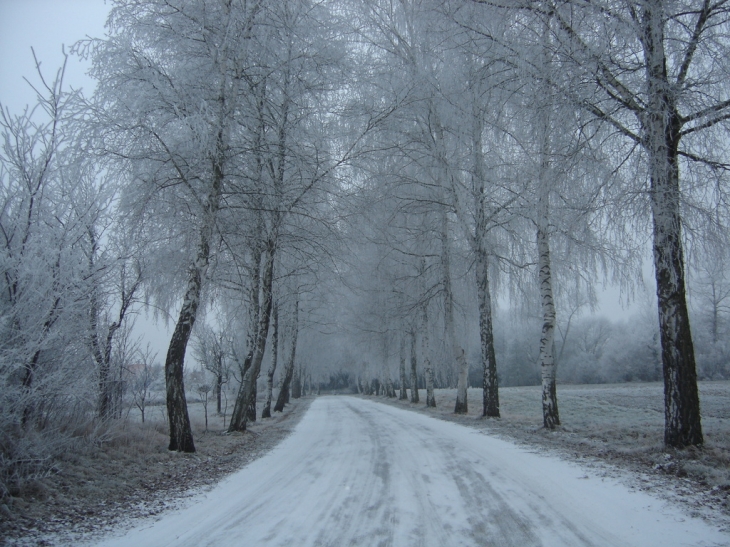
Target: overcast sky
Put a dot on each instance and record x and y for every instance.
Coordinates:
(45, 25)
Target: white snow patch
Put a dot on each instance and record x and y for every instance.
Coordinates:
(356, 472)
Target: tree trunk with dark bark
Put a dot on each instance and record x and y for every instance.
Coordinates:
(490, 393)
(425, 353)
(283, 397)
(490, 383)
(662, 133)
(460, 364)
(219, 382)
(414, 371)
(247, 390)
(251, 410)
(296, 384)
(266, 413)
(403, 394)
(181, 435)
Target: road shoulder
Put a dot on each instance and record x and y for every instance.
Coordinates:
(113, 486)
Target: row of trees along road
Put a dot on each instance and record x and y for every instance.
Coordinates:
(568, 121)
(366, 178)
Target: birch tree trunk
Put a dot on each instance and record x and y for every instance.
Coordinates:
(550, 415)
(490, 384)
(295, 391)
(254, 313)
(425, 355)
(251, 409)
(490, 387)
(460, 363)
(266, 413)
(181, 435)
(247, 390)
(219, 383)
(548, 367)
(461, 367)
(403, 395)
(414, 371)
(283, 397)
(662, 133)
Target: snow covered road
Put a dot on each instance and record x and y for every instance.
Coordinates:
(356, 472)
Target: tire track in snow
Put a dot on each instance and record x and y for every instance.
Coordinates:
(358, 473)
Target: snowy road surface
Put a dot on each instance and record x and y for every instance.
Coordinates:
(356, 472)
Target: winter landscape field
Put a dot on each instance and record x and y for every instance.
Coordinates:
(610, 432)
(256, 255)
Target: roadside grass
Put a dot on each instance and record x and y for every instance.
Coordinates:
(618, 424)
(126, 472)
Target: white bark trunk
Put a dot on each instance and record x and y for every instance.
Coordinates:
(551, 417)
(457, 352)
(247, 390)
(283, 397)
(402, 370)
(414, 372)
(181, 436)
(661, 127)
(266, 412)
(490, 387)
(425, 353)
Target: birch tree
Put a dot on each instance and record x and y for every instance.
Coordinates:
(405, 35)
(544, 127)
(296, 152)
(658, 85)
(266, 412)
(403, 392)
(293, 330)
(167, 100)
(414, 365)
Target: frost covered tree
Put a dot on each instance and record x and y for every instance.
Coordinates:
(301, 140)
(656, 71)
(266, 412)
(252, 365)
(710, 304)
(544, 125)
(143, 376)
(211, 351)
(402, 378)
(414, 174)
(289, 363)
(170, 79)
(47, 376)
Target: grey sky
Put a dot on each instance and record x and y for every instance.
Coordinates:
(44, 25)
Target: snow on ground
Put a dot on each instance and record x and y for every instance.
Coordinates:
(355, 472)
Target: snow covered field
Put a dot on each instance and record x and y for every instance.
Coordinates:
(621, 421)
(355, 472)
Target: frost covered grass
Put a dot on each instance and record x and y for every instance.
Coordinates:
(127, 472)
(621, 424)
